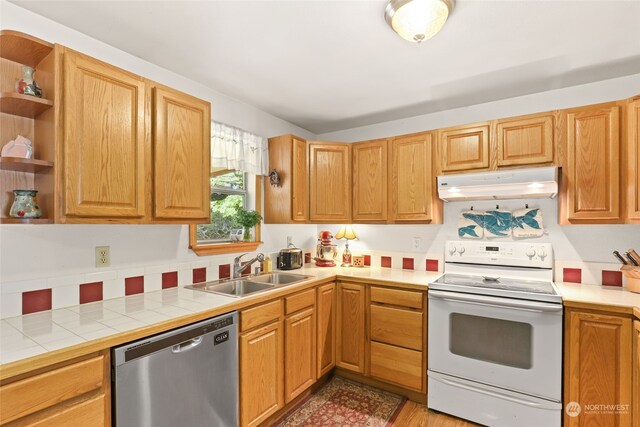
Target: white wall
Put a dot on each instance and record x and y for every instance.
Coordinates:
(29, 252)
(592, 93)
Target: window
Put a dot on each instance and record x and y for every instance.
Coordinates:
(230, 190)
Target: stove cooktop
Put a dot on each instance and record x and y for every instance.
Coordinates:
(496, 286)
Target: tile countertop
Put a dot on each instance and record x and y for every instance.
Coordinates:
(38, 339)
(46, 337)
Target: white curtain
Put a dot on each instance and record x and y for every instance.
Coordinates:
(233, 148)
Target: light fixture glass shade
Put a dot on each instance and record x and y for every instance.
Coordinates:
(347, 233)
(418, 20)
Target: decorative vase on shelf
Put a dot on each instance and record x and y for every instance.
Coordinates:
(247, 235)
(27, 85)
(25, 204)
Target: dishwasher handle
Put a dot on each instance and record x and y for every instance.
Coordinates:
(187, 345)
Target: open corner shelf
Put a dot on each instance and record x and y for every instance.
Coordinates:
(24, 165)
(23, 105)
(23, 48)
(26, 221)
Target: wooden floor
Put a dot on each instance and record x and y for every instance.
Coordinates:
(417, 415)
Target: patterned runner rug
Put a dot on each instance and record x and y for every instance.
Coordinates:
(342, 403)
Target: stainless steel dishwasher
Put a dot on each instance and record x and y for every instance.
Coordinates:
(185, 377)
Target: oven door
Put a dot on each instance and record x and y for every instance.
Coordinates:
(508, 343)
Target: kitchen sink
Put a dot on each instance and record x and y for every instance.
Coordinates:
(249, 285)
(279, 278)
(233, 288)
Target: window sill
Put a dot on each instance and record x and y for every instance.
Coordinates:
(225, 248)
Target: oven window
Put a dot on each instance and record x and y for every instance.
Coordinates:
(491, 340)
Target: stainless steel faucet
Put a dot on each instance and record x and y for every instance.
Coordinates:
(237, 267)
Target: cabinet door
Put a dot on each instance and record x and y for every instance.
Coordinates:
(182, 156)
(299, 181)
(326, 309)
(636, 373)
(104, 140)
(300, 353)
(633, 168)
(397, 365)
(351, 327)
(330, 182)
(261, 374)
(465, 147)
(525, 140)
(597, 367)
(370, 181)
(412, 193)
(593, 165)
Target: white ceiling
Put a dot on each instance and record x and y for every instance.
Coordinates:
(331, 65)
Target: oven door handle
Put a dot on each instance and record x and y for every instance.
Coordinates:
(495, 302)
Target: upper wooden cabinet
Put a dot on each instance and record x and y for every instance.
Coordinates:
(330, 182)
(182, 155)
(288, 202)
(525, 140)
(104, 140)
(591, 178)
(598, 367)
(412, 193)
(370, 181)
(114, 124)
(633, 166)
(464, 147)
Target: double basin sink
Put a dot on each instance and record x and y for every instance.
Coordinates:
(248, 285)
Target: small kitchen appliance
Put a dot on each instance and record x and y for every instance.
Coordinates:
(290, 258)
(495, 335)
(326, 251)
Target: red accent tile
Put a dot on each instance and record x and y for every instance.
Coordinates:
(407, 263)
(169, 279)
(573, 275)
(199, 275)
(307, 257)
(611, 278)
(134, 285)
(432, 265)
(224, 271)
(385, 261)
(90, 292)
(34, 301)
(367, 260)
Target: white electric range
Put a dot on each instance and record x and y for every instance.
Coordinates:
(495, 335)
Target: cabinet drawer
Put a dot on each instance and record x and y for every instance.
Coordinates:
(299, 301)
(397, 365)
(89, 413)
(33, 394)
(396, 326)
(260, 315)
(397, 297)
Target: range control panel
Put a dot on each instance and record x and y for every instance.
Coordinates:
(519, 254)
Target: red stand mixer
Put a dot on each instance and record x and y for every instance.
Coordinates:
(326, 251)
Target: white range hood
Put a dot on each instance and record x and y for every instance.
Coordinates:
(510, 184)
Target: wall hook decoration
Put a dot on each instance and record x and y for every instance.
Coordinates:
(274, 178)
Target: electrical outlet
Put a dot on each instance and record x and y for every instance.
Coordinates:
(103, 257)
(416, 242)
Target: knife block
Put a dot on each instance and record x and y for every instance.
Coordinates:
(633, 277)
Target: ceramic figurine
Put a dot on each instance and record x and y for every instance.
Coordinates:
(25, 204)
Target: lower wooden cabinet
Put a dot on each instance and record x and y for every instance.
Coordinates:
(351, 338)
(636, 373)
(78, 393)
(326, 338)
(261, 373)
(598, 368)
(300, 353)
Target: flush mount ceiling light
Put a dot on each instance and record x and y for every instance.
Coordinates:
(417, 20)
